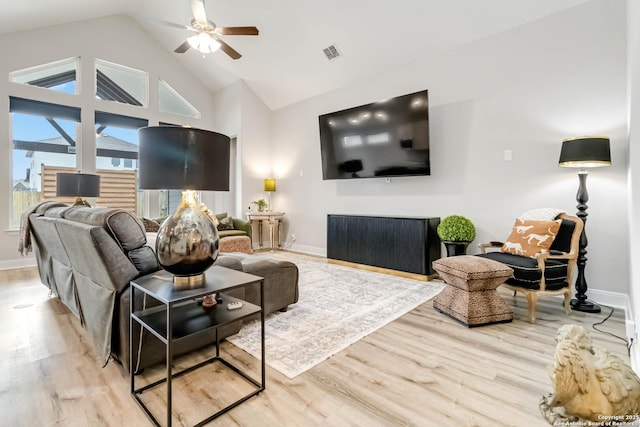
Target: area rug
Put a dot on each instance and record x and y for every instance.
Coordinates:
(337, 307)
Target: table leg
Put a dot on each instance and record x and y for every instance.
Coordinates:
(260, 233)
(271, 238)
(279, 234)
(169, 361)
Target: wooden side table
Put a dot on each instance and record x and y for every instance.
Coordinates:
(274, 222)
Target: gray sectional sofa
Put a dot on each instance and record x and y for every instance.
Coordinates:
(88, 256)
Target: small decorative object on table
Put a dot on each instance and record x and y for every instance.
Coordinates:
(261, 204)
(456, 232)
(591, 385)
(209, 301)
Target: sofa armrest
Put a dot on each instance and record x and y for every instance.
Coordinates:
(240, 224)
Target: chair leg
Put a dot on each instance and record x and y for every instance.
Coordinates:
(532, 299)
(567, 300)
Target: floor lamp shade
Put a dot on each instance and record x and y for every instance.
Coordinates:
(187, 159)
(584, 152)
(77, 185)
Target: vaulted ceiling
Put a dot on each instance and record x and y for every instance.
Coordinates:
(285, 63)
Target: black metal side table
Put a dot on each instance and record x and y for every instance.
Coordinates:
(179, 316)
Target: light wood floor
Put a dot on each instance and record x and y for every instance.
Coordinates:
(423, 369)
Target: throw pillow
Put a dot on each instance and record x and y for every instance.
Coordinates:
(225, 224)
(542, 214)
(529, 238)
(150, 226)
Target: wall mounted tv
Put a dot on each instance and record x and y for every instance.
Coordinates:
(383, 139)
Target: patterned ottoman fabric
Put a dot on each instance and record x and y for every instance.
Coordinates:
(470, 295)
(236, 244)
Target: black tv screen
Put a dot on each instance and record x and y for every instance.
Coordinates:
(382, 139)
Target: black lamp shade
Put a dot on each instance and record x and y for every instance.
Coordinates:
(77, 185)
(180, 158)
(585, 152)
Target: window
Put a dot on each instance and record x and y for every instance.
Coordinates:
(59, 76)
(170, 200)
(170, 101)
(121, 84)
(44, 135)
(117, 160)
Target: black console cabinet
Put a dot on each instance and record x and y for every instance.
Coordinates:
(403, 244)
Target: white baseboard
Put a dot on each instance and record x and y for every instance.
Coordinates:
(616, 300)
(311, 250)
(18, 263)
(612, 299)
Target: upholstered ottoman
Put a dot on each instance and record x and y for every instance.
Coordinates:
(470, 293)
(280, 281)
(236, 244)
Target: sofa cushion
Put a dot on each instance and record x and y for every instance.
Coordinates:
(527, 274)
(144, 259)
(57, 212)
(228, 233)
(124, 226)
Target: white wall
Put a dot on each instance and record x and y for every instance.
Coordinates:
(523, 90)
(116, 39)
(239, 112)
(633, 17)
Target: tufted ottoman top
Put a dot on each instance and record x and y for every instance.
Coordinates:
(471, 272)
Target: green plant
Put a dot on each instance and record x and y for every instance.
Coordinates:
(456, 228)
(261, 204)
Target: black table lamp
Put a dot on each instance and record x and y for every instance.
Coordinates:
(78, 185)
(188, 159)
(584, 152)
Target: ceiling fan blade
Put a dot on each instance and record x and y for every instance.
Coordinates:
(183, 48)
(174, 25)
(229, 50)
(237, 31)
(197, 6)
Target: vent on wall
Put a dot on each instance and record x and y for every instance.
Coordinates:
(331, 52)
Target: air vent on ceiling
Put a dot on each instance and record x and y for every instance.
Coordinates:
(331, 52)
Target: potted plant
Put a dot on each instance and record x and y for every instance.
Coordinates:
(456, 232)
(261, 204)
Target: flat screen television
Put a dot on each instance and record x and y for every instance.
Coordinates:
(383, 139)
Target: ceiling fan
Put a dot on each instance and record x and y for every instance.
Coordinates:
(206, 38)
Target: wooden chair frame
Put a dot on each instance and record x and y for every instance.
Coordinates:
(572, 257)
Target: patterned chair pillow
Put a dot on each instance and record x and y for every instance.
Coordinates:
(529, 238)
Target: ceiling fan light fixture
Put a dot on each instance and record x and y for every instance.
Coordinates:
(204, 43)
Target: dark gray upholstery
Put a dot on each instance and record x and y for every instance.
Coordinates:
(280, 281)
(88, 256)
